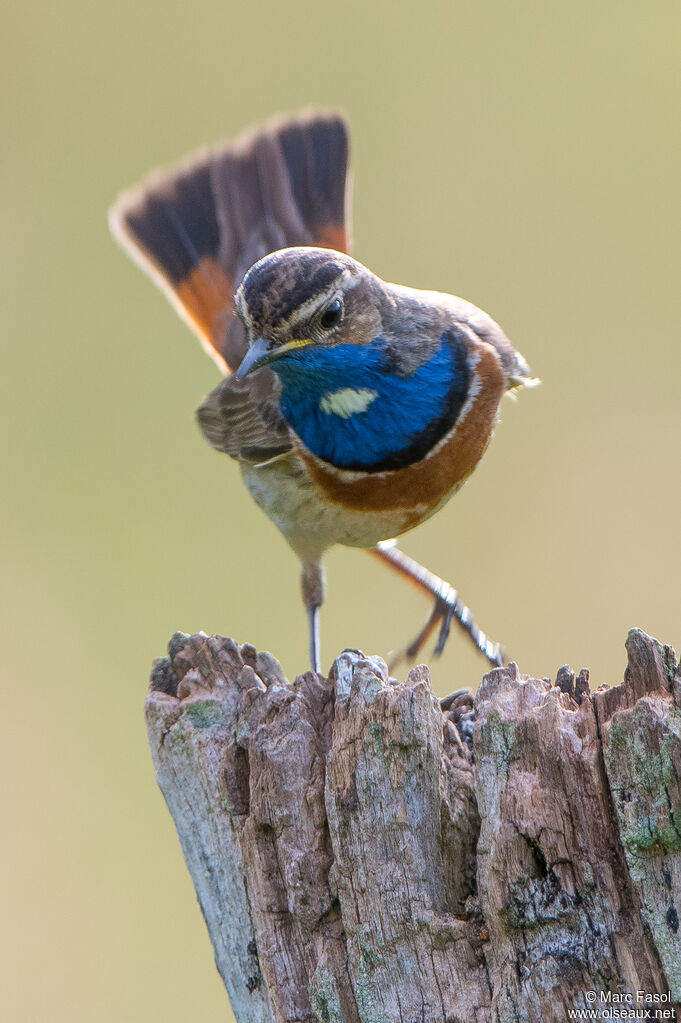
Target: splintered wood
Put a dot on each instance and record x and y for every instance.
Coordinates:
(363, 853)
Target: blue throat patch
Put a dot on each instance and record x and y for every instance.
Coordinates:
(350, 406)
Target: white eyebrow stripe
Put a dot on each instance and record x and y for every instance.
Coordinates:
(242, 310)
(347, 402)
(306, 311)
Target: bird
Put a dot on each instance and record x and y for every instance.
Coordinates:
(355, 408)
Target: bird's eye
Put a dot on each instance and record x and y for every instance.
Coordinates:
(332, 315)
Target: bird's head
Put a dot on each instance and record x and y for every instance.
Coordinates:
(299, 297)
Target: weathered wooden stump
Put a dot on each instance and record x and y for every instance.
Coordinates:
(359, 853)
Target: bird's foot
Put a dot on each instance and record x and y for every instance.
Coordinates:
(448, 608)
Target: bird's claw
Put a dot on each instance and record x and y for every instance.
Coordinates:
(448, 608)
(447, 614)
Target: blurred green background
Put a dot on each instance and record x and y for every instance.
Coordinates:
(525, 156)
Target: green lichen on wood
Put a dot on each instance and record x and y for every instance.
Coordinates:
(497, 739)
(643, 779)
(323, 994)
(366, 1001)
(370, 955)
(645, 835)
(365, 988)
(377, 737)
(204, 713)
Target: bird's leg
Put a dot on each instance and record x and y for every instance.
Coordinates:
(314, 586)
(447, 607)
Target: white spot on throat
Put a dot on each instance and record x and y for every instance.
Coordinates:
(347, 402)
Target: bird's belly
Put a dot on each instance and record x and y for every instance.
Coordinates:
(310, 521)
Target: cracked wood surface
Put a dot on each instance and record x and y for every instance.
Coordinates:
(363, 853)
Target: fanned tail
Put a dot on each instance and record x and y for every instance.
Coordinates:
(197, 229)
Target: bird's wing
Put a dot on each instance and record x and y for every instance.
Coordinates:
(242, 418)
(198, 228)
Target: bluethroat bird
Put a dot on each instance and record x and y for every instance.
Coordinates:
(354, 408)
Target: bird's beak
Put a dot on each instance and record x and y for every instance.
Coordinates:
(263, 351)
(260, 352)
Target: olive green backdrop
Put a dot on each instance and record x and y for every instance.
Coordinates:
(524, 155)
